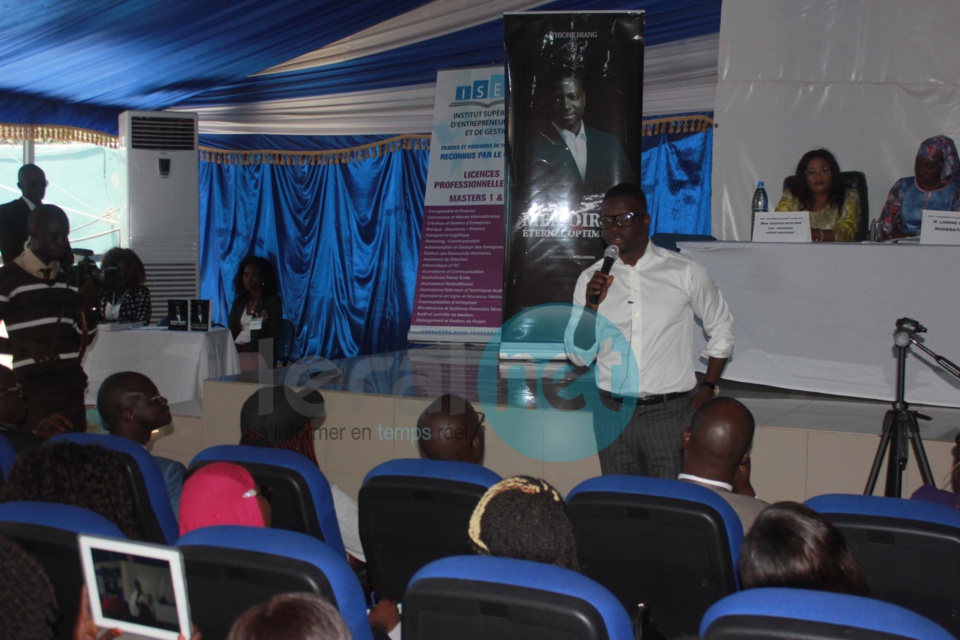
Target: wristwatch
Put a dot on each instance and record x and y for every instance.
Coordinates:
(711, 385)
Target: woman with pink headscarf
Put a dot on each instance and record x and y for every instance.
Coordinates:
(222, 493)
(935, 185)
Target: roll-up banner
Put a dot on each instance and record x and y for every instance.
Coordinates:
(574, 92)
(459, 279)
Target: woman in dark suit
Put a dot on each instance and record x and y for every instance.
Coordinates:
(257, 311)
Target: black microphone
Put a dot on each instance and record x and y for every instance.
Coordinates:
(609, 257)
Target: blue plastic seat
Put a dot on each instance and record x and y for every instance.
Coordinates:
(908, 550)
(152, 506)
(8, 453)
(507, 599)
(231, 568)
(415, 511)
(670, 545)
(48, 532)
(813, 615)
(300, 494)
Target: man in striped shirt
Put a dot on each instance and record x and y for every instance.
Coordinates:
(49, 323)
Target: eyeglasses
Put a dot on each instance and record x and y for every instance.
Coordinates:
(622, 220)
(15, 389)
(481, 417)
(823, 171)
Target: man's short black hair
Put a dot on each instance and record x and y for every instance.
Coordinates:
(627, 190)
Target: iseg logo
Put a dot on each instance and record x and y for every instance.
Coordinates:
(484, 93)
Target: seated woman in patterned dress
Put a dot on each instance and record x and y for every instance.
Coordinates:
(816, 187)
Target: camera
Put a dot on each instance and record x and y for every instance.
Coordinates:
(82, 269)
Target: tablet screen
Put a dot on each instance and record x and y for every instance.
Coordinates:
(139, 587)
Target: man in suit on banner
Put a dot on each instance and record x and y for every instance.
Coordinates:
(568, 155)
(13, 215)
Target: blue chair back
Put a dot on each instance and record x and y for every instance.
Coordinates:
(507, 599)
(285, 341)
(152, 506)
(670, 240)
(813, 615)
(8, 453)
(413, 512)
(670, 545)
(230, 568)
(908, 550)
(300, 494)
(48, 532)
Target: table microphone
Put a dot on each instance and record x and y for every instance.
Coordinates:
(610, 256)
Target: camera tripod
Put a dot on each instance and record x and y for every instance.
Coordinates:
(900, 423)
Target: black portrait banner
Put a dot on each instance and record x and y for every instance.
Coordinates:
(574, 95)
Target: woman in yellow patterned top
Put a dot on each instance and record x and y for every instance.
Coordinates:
(834, 209)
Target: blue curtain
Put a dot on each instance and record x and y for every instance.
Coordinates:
(345, 239)
(676, 166)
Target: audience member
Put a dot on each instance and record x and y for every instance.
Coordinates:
(291, 616)
(951, 498)
(222, 493)
(790, 545)
(28, 604)
(716, 455)
(524, 518)
(269, 418)
(816, 187)
(13, 216)
(131, 407)
(124, 298)
(935, 186)
(256, 313)
(49, 323)
(83, 476)
(450, 429)
(13, 413)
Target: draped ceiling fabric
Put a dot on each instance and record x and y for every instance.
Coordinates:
(334, 83)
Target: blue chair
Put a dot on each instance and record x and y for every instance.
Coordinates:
(285, 341)
(908, 550)
(152, 506)
(413, 512)
(48, 532)
(813, 615)
(670, 545)
(8, 453)
(230, 568)
(506, 599)
(300, 494)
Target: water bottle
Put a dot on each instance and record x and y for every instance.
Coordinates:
(760, 203)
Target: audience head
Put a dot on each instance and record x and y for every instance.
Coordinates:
(525, 518)
(790, 545)
(936, 162)
(718, 440)
(253, 274)
(12, 408)
(222, 493)
(292, 616)
(32, 183)
(450, 429)
(817, 174)
(131, 406)
(87, 476)
(28, 604)
(129, 267)
(278, 417)
(49, 228)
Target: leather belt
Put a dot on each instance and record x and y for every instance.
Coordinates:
(646, 401)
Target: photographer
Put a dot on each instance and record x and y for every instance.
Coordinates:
(123, 297)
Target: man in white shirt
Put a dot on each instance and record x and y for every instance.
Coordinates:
(716, 455)
(643, 344)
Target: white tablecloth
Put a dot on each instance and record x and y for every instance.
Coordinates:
(821, 317)
(177, 361)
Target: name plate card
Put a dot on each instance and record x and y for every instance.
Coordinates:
(782, 226)
(940, 227)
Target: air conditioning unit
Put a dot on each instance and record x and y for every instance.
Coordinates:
(161, 219)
